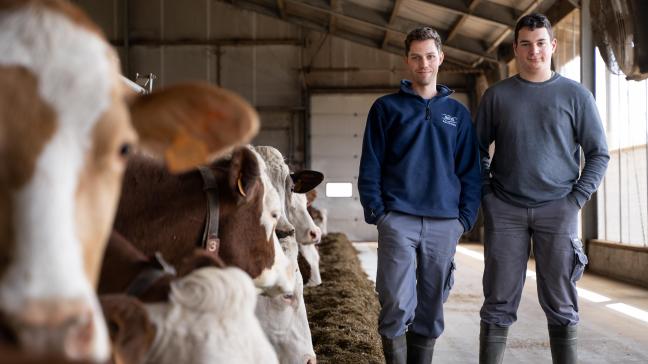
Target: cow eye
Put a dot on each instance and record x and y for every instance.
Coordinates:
(125, 150)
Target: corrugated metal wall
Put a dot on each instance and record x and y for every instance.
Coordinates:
(273, 64)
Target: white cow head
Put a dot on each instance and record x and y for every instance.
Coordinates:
(280, 278)
(307, 249)
(67, 125)
(291, 188)
(306, 231)
(209, 319)
(285, 322)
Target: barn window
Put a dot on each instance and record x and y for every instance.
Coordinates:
(622, 197)
(339, 189)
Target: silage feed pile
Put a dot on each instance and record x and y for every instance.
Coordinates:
(343, 310)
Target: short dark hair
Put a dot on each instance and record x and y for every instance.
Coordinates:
(533, 21)
(422, 33)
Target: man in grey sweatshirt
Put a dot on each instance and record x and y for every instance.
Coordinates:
(533, 188)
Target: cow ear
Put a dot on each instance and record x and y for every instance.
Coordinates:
(244, 173)
(131, 331)
(194, 123)
(305, 180)
(304, 267)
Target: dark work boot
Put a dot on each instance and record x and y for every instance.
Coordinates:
(563, 341)
(420, 349)
(492, 343)
(395, 350)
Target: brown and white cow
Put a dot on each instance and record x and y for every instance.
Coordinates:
(202, 315)
(307, 247)
(162, 212)
(319, 214)
(198, 315)
(209, 319)
(66, 128)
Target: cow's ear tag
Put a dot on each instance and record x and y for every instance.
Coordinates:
(212, 245)
(240, 187)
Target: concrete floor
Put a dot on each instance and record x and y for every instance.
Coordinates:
(613, 328)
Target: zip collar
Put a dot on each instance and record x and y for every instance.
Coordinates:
(443, 91)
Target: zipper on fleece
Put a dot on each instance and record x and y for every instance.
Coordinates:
(427, 109)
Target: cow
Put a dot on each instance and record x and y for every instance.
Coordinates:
(285, 322)
(308, 253)
(319, 215)
(196, 315)
(67, 127)
(284, 319)
(208, 318)
(289, 185)
(163, 212)
(307, 233)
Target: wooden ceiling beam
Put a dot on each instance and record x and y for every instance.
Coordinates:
(390, 22)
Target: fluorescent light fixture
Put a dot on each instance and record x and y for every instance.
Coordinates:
(339, 189)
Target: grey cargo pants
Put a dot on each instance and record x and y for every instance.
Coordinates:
(415, 272)
(558, 253)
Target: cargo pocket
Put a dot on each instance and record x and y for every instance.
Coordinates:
(580, 260)
(449, 281)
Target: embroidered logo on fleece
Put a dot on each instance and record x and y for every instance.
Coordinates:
(448, 119)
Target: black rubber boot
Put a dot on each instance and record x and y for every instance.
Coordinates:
(420, 349)
(564, 344)
(395, 350)
(492, 343)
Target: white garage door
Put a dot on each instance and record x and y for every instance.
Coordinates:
(337, 127)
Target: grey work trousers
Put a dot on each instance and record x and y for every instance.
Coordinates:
(415, 272)
(560, 260)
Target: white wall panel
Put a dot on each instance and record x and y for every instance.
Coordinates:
(183, 64)
(106, 14)
(237, 71)
(185, 19)
(337, 127)
(230, 22)
(277, 76)
(145, 19)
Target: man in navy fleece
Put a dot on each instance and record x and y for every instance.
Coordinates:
(420, 184)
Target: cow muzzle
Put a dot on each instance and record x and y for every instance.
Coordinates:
(61, 327)
(314, 236)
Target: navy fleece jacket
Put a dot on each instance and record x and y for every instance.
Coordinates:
(420, 157)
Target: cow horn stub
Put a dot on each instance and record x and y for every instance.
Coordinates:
(240, 187)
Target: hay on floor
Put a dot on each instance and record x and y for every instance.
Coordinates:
(343, 310)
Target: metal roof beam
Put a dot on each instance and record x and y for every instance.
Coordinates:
(475, 49)
(457, 25)
(233, 42)
(390, 21)
(534, 5)
(490, 12)
(462, 45)
(335, 6)
(281, 6)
